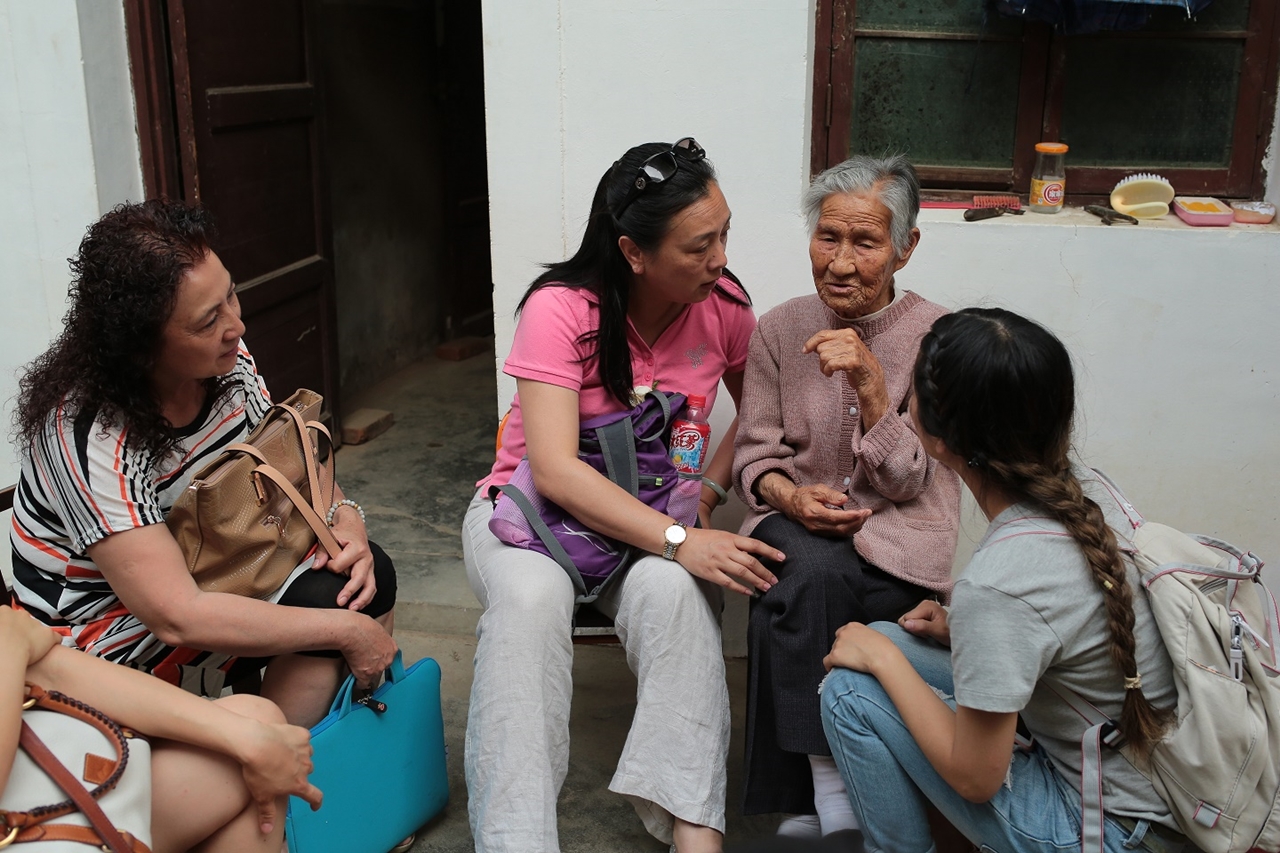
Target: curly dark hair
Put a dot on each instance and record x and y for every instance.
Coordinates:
(124, 285)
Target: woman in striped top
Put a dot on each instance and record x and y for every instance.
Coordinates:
(148, 381)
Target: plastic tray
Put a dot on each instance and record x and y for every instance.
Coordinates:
(1202, 210)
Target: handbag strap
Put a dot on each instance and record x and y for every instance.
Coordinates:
(49, 763)
(313, 467)
(308, 457)
(328, 465)
(322, 531)
(558, 553)
(257, 454)
(618, 447)
(77, 710)
(664, 403)
(77, 835)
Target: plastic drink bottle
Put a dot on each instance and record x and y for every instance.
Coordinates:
(690, 438)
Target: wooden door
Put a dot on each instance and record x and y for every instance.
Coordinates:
(230, 116)
(469, 303)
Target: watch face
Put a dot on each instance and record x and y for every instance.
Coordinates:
(676, 534)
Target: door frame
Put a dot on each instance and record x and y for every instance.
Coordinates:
(161, 81)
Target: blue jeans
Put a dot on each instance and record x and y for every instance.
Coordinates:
(890, 781)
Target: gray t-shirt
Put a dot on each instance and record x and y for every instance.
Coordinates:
(1027, 605)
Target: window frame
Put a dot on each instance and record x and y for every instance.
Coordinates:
(1040, 105)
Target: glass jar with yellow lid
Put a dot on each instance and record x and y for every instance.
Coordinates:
(1049, 180)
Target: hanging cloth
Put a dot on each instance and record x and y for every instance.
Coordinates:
(1080, 17)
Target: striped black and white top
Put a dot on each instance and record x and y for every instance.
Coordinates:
(81, 483)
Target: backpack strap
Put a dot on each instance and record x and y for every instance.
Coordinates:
(618, 447)
(558, 553)
(664, 403)
(1102, 730)
(1129, 510)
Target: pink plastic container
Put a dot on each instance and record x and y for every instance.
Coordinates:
(1202, 210)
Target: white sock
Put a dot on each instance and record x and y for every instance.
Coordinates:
(800, 826)
(830, 798)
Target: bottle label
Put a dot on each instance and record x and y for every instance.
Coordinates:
(1047, 193)
(689, 446)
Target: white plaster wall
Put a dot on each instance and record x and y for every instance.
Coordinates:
(571, 84)
(62, 163)
(1174, 329)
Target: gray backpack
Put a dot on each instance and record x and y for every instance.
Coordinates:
(1218, 767)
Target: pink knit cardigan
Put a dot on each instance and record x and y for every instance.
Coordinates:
(797, 421)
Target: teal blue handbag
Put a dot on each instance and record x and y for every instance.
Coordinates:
(380, 763)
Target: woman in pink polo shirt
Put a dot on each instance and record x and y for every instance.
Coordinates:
(646, 302)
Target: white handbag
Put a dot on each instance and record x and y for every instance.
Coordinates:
(69, 749)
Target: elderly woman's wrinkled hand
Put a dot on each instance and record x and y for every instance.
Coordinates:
(842, 349)
(821, 510)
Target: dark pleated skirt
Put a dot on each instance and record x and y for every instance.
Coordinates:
(823, 585)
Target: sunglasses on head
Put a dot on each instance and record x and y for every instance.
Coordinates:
(661, 167)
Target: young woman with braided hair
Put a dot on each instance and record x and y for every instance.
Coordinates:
(1047, 599)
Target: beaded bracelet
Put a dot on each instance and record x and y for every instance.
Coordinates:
(718, 489)
(338, 505)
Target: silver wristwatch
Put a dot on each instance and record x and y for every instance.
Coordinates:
(674, 536)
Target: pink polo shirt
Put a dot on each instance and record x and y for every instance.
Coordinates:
(707, 340)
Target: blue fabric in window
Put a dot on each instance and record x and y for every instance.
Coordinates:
(1077, 17)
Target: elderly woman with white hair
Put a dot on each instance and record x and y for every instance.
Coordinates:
(833, 473)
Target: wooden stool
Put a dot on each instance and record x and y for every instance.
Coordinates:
(593, 628)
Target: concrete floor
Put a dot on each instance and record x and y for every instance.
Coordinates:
(415, 482)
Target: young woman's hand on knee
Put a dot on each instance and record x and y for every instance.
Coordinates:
(275, 759)
(863, 649)
(729, 560)
(927, 619)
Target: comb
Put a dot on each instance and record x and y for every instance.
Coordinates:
(1005, 200)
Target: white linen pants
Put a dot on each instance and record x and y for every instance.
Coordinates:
(517, 741)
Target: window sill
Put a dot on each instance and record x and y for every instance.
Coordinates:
(1077, 217)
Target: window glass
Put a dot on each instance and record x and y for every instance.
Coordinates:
(1173, 106)
(934, 16)
(939, 102)
(1219, 15)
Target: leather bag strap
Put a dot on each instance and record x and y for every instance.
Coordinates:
(324, 430)
(54, 701)
(257, 454)
(308, 460)
(322, 531)
(323, 505)
(49, 763)
(77, 835)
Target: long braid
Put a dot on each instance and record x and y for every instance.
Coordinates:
(999, 391)
(1060, 492)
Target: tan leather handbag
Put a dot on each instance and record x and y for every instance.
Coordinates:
(250, 516)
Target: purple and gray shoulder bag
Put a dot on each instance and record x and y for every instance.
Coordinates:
(630, 448)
